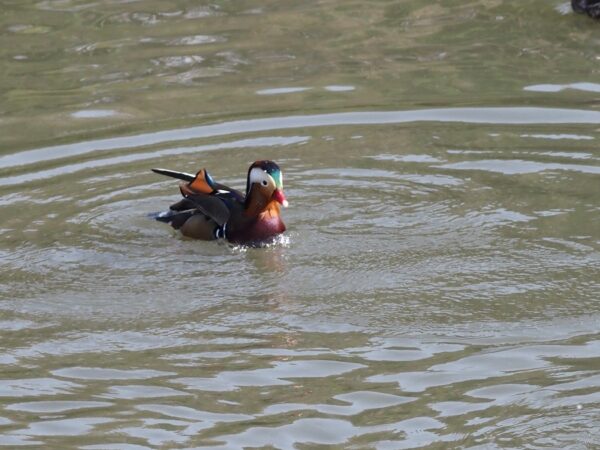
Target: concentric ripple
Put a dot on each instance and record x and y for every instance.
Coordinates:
(437, 285)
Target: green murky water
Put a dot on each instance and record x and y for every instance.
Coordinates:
(439, 282)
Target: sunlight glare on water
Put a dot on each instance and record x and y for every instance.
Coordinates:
(437, 285)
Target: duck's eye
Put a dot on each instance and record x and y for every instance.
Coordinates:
(264, 182)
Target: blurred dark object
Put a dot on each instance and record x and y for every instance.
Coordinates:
(589, 7)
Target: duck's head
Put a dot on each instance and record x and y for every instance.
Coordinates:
(264, 185)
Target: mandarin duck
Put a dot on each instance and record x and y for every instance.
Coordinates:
(210, 210)
(589, 7)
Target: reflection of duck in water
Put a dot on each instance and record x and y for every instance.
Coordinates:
(589, 7)
(210, 210)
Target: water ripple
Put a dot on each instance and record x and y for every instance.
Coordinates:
(514, 116)
(277, 375)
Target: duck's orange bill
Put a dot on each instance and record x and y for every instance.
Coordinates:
(280, 198)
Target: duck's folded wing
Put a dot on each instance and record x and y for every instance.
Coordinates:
(183, 205)
(227, 192)
(175, 218)
(211, 206)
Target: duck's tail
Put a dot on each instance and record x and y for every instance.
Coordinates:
(175, 174)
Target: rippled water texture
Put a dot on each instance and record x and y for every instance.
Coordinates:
(439, 282)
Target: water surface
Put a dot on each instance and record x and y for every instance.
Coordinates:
(438, 283)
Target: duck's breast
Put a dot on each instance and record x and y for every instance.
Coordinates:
(262, 229)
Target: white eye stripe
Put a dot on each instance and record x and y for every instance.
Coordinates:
(259, 176)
